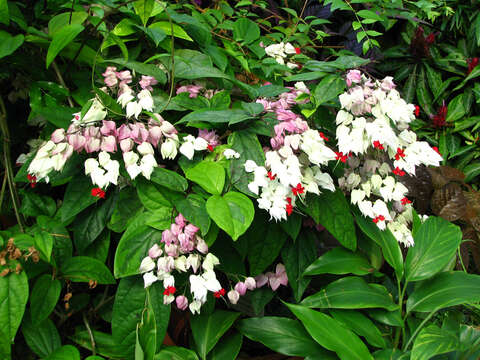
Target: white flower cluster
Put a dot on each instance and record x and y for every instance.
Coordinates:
(374, 141)
(50, 156)
(103, 172)
(289, 172)
(280, 53)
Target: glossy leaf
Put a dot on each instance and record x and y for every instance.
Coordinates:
(433, 341)
(209, 175)
(169, 179)
(143, 8)
(61, 39)
(41, 337)
(77, 197)
(208, 328)
(227, 348)
(245, 30)
(176, 353)
(35, 205)
(456, 109)
(351, 293)
(285, 336)
(232, 212)
(84, 269)
(200, 117)
(44, 244)
(13, 298)
(66, 352)
(44, 297)
(126, 208)
(104, 343)
(166, 28)
(59, 21)
(446, 289)
(4, 15)
(9, 43)
(194, 210)
(328, 89)
(329, 333)
(340, 261)
(436, 242)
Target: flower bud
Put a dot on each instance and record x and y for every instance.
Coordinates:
(58, 136)
(155, 251)
(250, 283)
(182, 302)
(233, 296)
(241, 288)
(202, 245)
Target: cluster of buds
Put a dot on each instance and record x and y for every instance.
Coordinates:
(281, 52)
(372, 127)
(292, 167)
(12, 253)
(182, 250)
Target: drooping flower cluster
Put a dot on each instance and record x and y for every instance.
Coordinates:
(281, 51)
(182, 250)
(374, 140)
(292, 167)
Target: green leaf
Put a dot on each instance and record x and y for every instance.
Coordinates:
(264, 243)
(384, 239)
(151, 196)
(143, 8)
(209, 175)
(176, 353)
(62, 38)
(44, 244)
(169, 179)
(44, 297)
(133, 246)
(9, 43)
(436, 242)
(434, 80)
(77, 197)
(340, 261)
(200, 117)
(331, 334)
(232, 212)
(13, 298)
(292, 226)
(166, 28)
(361, 325)
(41, 337)
(446, 289)
(62, 244)
(285, 336)
(331, 210)
(99, 248)
(328, 89)
(126, 208)
(296, 257)
(433, 341)
(194, 210)
(423, 95)
(410, 86)
(104, 343)
(208, 328)
(4, 15)
(84, 269)
(228, 348)
(57, 22)
(471, 171)
(245, 30)
(456, 109)
(141, 68)
(351, 293)
(66, 352)
(244, 142)
(147, 331)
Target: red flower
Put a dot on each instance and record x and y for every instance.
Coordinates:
(377, 145)
(170, 290)
(400, 154)
(270, 176)
(289, 209)
(297, 50)
(405, 201)
(98, 193)
(219, 293)
(430, 39)
(472, 63)
(417, 110)
(289, 200)
(210, 148)
(378, 218)
(32, 179)
(298, 190)
(399, 172)
(436, 150)
(441, 116)
(322, 135)
(341, 157)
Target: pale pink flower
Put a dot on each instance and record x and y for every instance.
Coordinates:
(354, 76)
(210, 136)
(261, 280)
(241, 288)
(182, 302)
(250, 283)
(108, 128)
(190, 230)
(168, 237)
(180, 221)
(154, 135)
(109, 144)
(58, 136)
(126, 145)
(77, 141)
(193, 90)
(147, 82)
(155, 251)
(233, 296)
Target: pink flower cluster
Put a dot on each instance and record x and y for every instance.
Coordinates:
(274, 280)
(210, 136)
(182, 238)
(113, 77)
(195, 90)
(288, 120)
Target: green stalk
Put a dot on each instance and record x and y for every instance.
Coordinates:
(417, 330)
(8, 165)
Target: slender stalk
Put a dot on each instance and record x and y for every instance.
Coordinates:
(62, 82)
(417, 330)
(92, 339)
(8, 165)
(2, 193)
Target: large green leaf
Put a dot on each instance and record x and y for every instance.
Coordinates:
(331, 334)
(328, 89)
(84, 269)
(9, 43)
(62, 244)
(104, 343)
(384, 239)
(133, 246)
(445, 289)
(208, 328)
(13, 298)
(340, 261)
(35, 205)
(44, 297)
(150, 195)
(176, 353)
(200, 117)
(146, 339)
(360, 325)
(61, 39)
(433, 341)
(144, 8)
(77, 197)
(456, 109)
(66, 352)
(59, 21)
(166, 27)
(436, 242)
(232, 212)
(44, 244)
(331, 210)
(126, 208)
(228, 348)
(4, 14)
(285, 336)
(194, 210)
(296, 257)
(351, 293)
(209, 175)
(169, 179)
(245, 30)
(41, 337)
